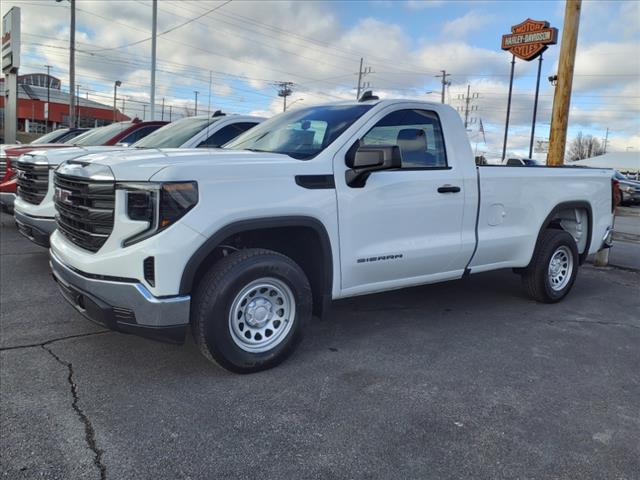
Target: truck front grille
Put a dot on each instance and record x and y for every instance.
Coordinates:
(85, 210)
(3, 167)
(33, 182)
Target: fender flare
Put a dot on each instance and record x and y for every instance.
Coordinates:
(190, 269)
(562, 206)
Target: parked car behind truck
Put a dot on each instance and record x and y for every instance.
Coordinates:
(129, 131)
(243, 244)
(34, 208)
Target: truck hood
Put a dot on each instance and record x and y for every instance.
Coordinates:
(141, 165)
(56, 156)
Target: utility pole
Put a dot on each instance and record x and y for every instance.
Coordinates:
(72, 65)
(170, 109)
(606, 140)
(154, 31)
(48, 67)
(361, 74)
(123, 105)
(467, 107)
(284, 90)
(78, 105)
(196, 92)
(144, 110)
(445, 82)
(162, 118)
(562, 96)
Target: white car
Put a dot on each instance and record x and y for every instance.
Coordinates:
(34, 209)
(243, 244)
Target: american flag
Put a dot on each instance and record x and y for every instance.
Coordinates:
(484, 139)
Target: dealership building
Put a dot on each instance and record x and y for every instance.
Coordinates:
(33, 116)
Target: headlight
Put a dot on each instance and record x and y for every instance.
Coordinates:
(159, 204)
(627, 189)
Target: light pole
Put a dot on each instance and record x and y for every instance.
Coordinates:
(72, 63)
(196, 92)
(48, 67)
(116, 84)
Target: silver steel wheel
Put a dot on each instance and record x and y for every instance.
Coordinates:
(262, 315)
(560, 268)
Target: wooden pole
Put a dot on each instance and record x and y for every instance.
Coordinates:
(562, 96)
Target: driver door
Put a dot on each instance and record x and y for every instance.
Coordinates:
(402, 227)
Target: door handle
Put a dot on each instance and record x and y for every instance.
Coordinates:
(448, 189)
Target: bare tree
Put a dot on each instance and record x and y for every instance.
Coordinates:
(584, 146)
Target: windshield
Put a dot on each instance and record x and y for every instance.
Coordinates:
(101, 135)
(74, 139)
(50, 137)
(175, 134)
(619, 176)
(301, 133)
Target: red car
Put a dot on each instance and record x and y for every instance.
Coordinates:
(117, 133)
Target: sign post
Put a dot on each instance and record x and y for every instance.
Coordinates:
(527, 41)
(10, 65)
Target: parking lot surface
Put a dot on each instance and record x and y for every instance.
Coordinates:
(468, 379)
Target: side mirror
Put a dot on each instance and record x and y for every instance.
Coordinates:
(364, 159)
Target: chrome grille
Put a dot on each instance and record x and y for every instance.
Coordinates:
(85, 210)
(3, 167)
(33, 182)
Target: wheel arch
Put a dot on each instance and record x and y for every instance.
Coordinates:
(553, 220)
(267, 233)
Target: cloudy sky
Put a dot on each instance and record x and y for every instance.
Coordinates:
(247, 47)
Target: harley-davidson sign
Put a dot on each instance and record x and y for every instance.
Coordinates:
(529, 39)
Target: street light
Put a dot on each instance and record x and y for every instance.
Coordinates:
(116, 84)
(295, 101)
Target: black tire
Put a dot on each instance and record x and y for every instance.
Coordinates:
(214, 299)
(535, 278)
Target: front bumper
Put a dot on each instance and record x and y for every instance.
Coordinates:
(7, 200)
(36, 229)
(123, 305)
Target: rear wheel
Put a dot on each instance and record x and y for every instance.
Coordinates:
(250, 310)
(553, 268)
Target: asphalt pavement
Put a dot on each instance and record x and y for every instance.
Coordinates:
(466, 379)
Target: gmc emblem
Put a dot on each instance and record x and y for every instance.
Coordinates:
(63, 196)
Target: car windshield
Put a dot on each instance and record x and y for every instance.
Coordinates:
(50, 137)
(101, 135)
(619, 176)
(301, 133)
(175, 134)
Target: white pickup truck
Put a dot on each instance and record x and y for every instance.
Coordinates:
(34, 209)
(244, 244)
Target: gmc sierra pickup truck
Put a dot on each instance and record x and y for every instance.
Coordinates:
(244, 244)
(34, 210)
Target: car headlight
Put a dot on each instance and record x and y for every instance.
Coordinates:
(627, 189)
(159, 204)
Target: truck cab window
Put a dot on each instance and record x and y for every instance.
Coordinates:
(226, 134)
(418, 134)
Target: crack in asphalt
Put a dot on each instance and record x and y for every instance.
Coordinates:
(48, 342)
(89, 431)
(597, 322)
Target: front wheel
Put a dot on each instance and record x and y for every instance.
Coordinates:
(250, 309)
(553, 268)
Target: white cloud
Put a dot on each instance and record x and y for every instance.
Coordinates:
(470, 22)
